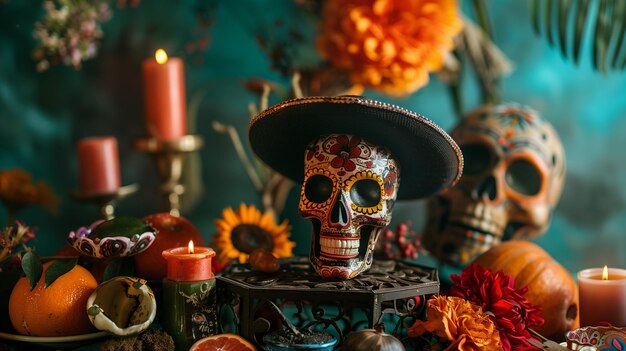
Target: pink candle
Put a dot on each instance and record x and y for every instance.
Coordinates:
(189, 264)
(99, 165)
(164, 96)
(602, 300)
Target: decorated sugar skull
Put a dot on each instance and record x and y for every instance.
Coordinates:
(513, 176)
(349, 190)
(349, 152)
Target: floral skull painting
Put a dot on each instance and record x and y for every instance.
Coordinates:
(349, 152)
(349, 190)
(513, 176)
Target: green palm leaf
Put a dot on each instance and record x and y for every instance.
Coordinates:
(564, 24)
(583, 9)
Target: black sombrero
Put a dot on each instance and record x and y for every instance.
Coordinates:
(429, 159)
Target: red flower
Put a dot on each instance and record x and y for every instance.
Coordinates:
(345, 149)
(217, 267)
(496, 294)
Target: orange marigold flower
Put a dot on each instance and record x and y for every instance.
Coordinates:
(461, 322)
(389, 45)
(18, 190)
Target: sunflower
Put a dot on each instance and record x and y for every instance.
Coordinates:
(245, 230)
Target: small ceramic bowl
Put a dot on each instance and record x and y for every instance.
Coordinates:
(122, 306)
(601, 338)
(313, 341)
(117, 237)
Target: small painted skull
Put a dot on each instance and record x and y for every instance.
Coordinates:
(349, 190)
(513, 176)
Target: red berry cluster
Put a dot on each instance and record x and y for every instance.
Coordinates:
(404, 243)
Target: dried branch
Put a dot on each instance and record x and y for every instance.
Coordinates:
(486, 58)
(241, 153)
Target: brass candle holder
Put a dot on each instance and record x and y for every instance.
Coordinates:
(170, 156)
(106, 201)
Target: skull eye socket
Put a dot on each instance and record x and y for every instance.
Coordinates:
(365, 192)
(318, 188)
(523, 177)
(477, 158)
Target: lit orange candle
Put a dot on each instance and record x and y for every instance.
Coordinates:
(164, 96)
(99, 165)
(189, 275)
(189, 264)
(602, 294)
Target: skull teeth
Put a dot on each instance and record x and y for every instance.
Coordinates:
(484, 226)
(342, 248)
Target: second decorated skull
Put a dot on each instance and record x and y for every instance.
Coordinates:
(350, 187)
(513, 177)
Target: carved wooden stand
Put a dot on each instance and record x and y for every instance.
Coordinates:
(387, 292)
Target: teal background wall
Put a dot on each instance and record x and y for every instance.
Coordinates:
(42, 115)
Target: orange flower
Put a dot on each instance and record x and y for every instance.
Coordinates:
(461, 322)
(389, 45)
(18, 190)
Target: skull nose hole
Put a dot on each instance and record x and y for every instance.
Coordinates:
(487, 187)
(339, 214)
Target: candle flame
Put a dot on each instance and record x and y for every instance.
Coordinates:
(161, 56)
(605, 273)
(190, 246)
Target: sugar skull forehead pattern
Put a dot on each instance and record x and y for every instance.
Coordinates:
(513, 177)
(515, 128)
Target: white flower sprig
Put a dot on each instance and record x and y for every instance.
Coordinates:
(69, 32)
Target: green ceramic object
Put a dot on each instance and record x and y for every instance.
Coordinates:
(189, 311)
(120, 226)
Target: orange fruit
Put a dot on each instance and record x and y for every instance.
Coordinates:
(58, 310)
(222, 342)
(172, 231)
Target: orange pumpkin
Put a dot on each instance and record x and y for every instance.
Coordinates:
(549, 284)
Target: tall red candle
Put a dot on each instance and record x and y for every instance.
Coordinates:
(99, 166)
(164, 96)
(189, 264)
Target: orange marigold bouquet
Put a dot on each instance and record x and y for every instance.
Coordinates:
(482, 311)
(17, 187)
(389, 45)
(345, 46)
(17, 191)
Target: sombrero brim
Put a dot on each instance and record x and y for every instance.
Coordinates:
(429, 159)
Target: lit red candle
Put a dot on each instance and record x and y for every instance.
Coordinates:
(602, 294)
(164, 96)
(98, 164)
(189, 264)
